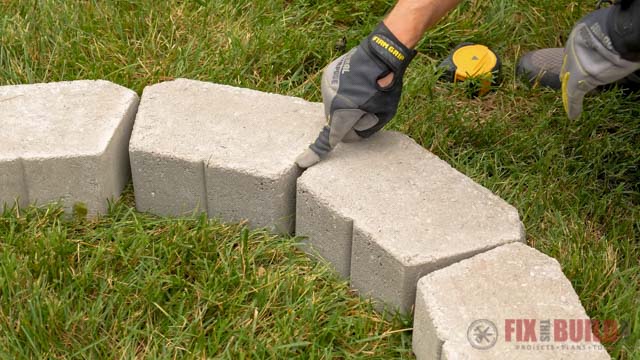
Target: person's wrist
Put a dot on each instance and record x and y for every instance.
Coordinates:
(386, 46)
(383, 44)
(406, 32)
(409, 19)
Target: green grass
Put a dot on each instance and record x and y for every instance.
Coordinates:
(576, 184)
(130, 285)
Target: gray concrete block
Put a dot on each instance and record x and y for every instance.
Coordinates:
(412, 213)
(326, 227)
(12, 185)
(510, 283)
(230, 152)
(65, 142)
(270, 202)
(166, 185)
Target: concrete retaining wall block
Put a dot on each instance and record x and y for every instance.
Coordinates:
(386, 212)
(512, 302)
(66, 142)
(222, 150)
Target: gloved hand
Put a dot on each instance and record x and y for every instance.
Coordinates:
(356, 106)
(590, 58)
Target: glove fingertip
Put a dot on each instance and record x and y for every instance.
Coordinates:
(307, 159)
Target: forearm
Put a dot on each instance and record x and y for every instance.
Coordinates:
(409, 19)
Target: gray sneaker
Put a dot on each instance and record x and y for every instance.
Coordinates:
(542, 67)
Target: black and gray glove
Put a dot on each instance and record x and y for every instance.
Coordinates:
(603, 47)
(355, 105)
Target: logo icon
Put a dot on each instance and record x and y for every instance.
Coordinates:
(482, 334)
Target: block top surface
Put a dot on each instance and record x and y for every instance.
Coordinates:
(227, 127)
(60, 119)
(510, 283)
(415, 205)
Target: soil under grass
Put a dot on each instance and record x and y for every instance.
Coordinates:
(132, 285)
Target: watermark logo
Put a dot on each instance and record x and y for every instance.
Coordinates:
(544, 334)
(482, 334)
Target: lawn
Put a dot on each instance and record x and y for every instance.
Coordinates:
(130, 285)
(134, 285)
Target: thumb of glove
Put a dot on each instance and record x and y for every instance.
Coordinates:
(345, 120)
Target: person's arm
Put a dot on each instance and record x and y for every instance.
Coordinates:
(409, 19)
(361, 89)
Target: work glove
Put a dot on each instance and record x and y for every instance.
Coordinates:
(356, 106)
(590, 59)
